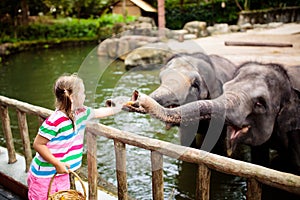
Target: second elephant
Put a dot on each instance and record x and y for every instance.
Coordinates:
(260, 105)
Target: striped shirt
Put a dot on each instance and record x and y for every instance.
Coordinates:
(65, 142)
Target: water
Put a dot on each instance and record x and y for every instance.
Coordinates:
(29, 77)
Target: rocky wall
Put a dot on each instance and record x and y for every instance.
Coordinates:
(285, 15)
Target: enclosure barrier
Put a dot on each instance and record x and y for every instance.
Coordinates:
(255, 175)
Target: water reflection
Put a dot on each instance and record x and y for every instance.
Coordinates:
(29, 77)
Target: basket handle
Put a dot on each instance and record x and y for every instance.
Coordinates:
(75, 174)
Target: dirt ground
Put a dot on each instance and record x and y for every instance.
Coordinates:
(285, 34)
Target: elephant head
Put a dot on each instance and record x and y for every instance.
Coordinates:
(255, 104)
(191, 77)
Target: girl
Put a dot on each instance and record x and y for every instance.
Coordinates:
(59, 142)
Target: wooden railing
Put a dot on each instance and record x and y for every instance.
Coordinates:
(255, 175)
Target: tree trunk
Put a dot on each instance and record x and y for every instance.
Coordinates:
(161, 14)
(25, 11)
(247, 4)
(238, 5)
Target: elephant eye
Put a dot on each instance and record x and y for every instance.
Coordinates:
(260, 106)
(196, 84)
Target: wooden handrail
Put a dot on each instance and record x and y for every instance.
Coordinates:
(26, 107)
(206, 162)
(281, 180)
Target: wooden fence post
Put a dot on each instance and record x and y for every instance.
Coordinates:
(25, 138)
(8, 134)
(157, 175)
(203, 182)
(120, 151)
(91, 140)
(254, 189)
(40, 120)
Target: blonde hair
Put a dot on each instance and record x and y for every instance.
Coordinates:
(64, 87)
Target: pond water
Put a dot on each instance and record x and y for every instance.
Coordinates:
(29, 77)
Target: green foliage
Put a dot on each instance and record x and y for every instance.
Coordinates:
(111, 19)
(69, 29)
(63, 28)
(107, 23)
(177, 16)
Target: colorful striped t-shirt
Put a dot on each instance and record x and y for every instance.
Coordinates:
(65, 142)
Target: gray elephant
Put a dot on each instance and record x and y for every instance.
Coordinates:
(191, 77)
(260, 105)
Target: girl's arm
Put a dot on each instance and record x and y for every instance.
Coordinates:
(106, 111)
(39, 145)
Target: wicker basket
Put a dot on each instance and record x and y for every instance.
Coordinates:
(67, 194)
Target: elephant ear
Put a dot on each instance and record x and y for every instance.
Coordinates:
(288, 117)
(293, 73)
(217, 90)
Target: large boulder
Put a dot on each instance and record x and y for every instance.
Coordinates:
(120, 47)
(148, 56)
(196, 27)
(156, 54)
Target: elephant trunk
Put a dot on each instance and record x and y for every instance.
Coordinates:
(194, 111)
(162, 95)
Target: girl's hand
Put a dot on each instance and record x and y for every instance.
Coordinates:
(62, 168)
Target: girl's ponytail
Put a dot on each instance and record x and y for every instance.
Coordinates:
(68, 106)
(64, 87)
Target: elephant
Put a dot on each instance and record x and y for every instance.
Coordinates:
(260, 106)
(190, 77)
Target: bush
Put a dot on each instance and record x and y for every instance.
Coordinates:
(111, 19)
(64, 28)
(177, 16)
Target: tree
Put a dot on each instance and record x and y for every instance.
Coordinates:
(25, 12)
(161, 14)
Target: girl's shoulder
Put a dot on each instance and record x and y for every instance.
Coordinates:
(57, 116)
(85, 112)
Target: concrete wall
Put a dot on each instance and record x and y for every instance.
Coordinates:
(285, 15)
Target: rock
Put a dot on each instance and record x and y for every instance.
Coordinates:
(246, 26)
(221, 28)
(120, 47)
(275, 24)
(189, 36)
(148, 57)
(148, 20)
(178, 34)
(218, 29)
(195, 27)
(188, 46)
(234, 28)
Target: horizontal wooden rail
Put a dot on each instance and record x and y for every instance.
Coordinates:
(26, 107)
(281, 180)
(256, 175)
